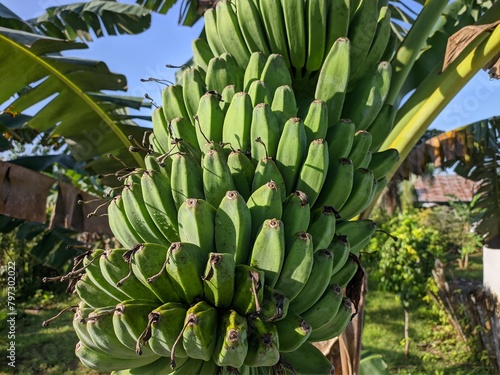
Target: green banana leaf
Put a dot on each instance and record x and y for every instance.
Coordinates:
(77, 20)
(191, 10)
(69, 92)
(372, 364)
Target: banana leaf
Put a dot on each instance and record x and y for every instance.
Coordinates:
(191, 10)
(77, 20)
(69, 93)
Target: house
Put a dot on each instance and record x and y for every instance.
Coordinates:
(437, 190)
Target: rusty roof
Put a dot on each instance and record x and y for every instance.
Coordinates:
(440, 187)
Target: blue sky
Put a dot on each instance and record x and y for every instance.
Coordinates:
(145, 55)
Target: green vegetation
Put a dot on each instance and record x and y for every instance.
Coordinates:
(434, 348)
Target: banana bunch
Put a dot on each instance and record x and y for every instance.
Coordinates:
(240, 234)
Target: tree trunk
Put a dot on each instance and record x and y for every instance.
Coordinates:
(407, 335)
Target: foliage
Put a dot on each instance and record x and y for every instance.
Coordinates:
(435, 346)
(76, 20)
(403, 266)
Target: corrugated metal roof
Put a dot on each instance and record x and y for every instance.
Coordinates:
(440, 187)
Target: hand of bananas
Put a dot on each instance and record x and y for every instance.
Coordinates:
(238, 238)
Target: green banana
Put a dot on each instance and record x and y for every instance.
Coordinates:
(210, 120)
(366, 160)
(297, 265)
(242, 171)
(339, 13)
(201, 53)
(360, 146)
(193, 87)
(268, 252)
(296, 215)
(217, 179)
(248, 289)
(200, 331)
(320, 313)
(274, 305)
(186, 179)
(237, 72)
(218, 75)
(361, 194)
(379, 44)
(340, 247)
(237, 122)
(274, 24)
(293, 331)
(263, 343)
(173, 105)
(165, 323)
(265, 171)
(230, 33)
(211, 32)
(313, 172)
(118, 273)
(381, 126)
(362, 29)
(264, 127)
(252, 28)
(160, 204)
(344, 275)
(340, 137)
(316, 283)
(322, 227)
(259, 93)
(316, 12)
(284, 105)
(226, 98)
(291, 152)
(293, 14)
(159, 367)
(80, 325)
(99, 325)
(209, 368)
(365, 101)
(136, 211)
(95, 276)
(357, 232)
(334, 77)
(231, 347)
(383, 161)
(185, 265)
(92, 295)
(196, 219)
(218, 279)
(129, 319)
(264, 203)
(146, 259)
(233, 227)
(119, 224)
(338, 184)
(253, 70)
(335, 326)
(316, 121)
(101, 361)
(306, 360)
(160, 129)
(275, 72)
